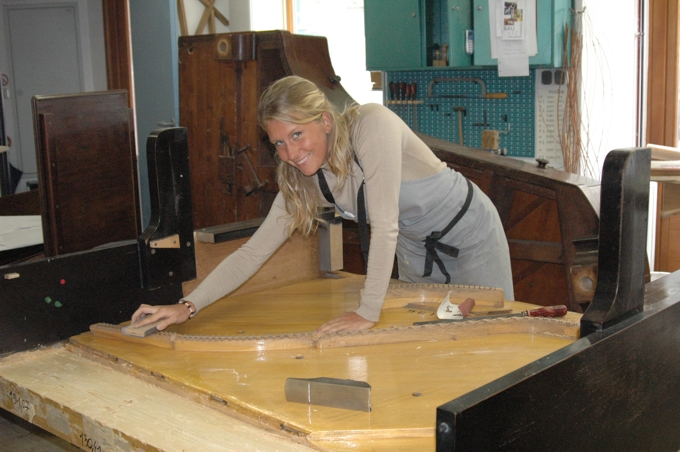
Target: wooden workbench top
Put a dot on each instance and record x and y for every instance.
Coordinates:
(151, 386)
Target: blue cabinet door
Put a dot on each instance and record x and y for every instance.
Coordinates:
(460, 20)
(393, 34)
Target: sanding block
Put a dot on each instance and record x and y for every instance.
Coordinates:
(332, 392)
(140, 331)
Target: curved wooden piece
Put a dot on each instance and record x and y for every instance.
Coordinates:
(400, 295)
(434, 332)
(623, 239)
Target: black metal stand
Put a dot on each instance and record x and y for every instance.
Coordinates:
(5, 182)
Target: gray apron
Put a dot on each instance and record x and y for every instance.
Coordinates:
(483, 257)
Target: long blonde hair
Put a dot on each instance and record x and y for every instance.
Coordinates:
(296, 100)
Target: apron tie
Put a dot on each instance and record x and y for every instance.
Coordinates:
(432, 243)
(361, 206)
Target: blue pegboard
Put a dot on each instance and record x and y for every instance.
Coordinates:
(513, 116)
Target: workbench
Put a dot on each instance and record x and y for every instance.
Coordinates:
(109, 393)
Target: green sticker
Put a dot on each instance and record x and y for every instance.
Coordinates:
(57, 304)
(48, 300)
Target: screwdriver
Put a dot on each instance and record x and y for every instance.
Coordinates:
(391, 98)
(407, 96)
(547, 311)
(401, 93)
(414, 90)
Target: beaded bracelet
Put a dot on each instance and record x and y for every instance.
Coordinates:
(191, 310)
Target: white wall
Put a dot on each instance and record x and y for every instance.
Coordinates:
(93, 57)
(342, 23)
(608, 101)
(608, 98)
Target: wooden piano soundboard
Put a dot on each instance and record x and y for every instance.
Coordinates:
(96, 390)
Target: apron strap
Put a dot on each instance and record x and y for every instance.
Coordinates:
(432, 243)
(361, 205)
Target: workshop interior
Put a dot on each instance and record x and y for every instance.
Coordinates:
(132, 164)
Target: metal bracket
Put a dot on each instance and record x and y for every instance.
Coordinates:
(171, 241)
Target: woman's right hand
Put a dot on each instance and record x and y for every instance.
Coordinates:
(169, 314)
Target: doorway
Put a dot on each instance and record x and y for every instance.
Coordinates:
(53, 47)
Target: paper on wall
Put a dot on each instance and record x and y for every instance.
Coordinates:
(512, 33)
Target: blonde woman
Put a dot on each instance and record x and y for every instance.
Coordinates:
(369, 165)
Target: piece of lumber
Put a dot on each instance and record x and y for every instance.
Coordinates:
(295, 261)
(98, 408)
(204, 17)
(183, 29)
(218, 15)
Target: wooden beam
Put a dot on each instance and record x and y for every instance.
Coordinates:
(662, 98)
(119, 408)
(183, 29)
(290, 19)
(117, 46)
(218, 15)
(205, 17)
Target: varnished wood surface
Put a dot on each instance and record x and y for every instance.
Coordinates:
(409, 380)
(295, 261)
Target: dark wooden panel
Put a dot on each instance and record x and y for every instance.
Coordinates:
(616, 387)
(541, 209)
(117, 45)
(55, 298)
(616, 390)
(27, 203)
(87, 170)
(221, 79)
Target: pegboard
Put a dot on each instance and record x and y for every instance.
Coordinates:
(512, 117)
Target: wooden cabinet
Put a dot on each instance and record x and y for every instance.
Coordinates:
(221, 78)
(406, 34)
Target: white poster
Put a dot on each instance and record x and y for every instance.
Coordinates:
(512, 33)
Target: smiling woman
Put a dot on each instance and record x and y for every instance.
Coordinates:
(303, 146)
(371, 167)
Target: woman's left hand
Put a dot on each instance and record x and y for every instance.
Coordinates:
(349, 321)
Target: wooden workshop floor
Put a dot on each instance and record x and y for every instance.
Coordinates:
(18, 435)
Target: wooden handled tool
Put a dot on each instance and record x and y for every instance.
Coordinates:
(548, 311)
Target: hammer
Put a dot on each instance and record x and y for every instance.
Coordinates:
(461, 112)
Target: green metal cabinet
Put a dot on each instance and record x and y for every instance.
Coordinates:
(551, 17)
(394, 34)
(459, 13)
(401, 34)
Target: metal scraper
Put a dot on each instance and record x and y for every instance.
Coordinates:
(332, 392)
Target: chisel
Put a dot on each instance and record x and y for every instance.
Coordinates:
(391, 101)
(548, 311)
(407, 97)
